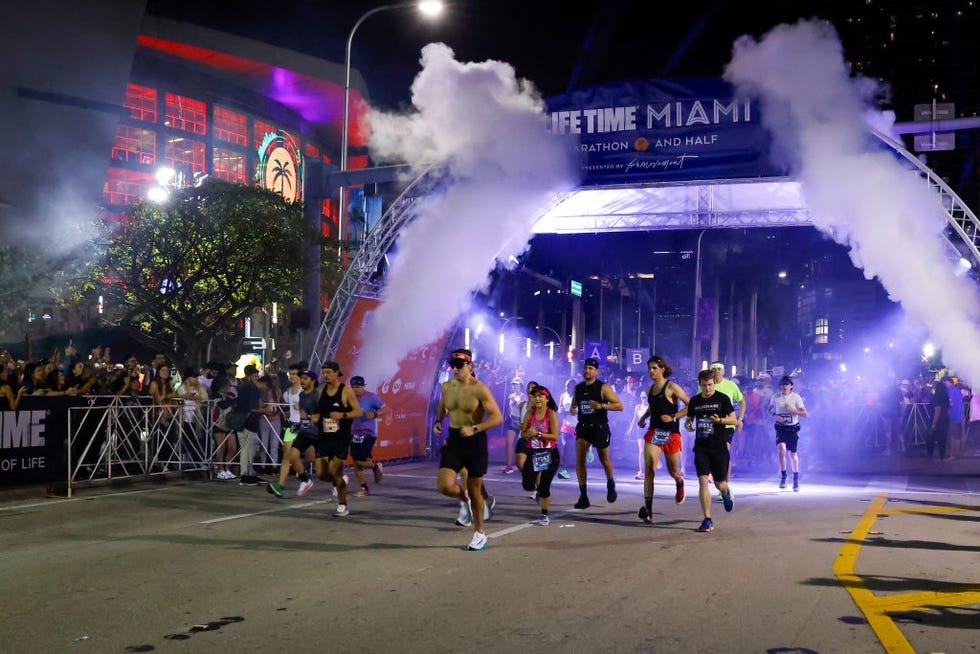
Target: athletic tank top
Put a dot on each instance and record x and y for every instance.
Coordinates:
(589, 418)
(660, 405)
(543, 426)
(330, 403)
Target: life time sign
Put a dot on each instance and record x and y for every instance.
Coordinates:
(575, 288)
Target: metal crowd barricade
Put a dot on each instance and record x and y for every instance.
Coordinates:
(112, 438)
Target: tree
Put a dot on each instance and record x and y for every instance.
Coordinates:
(187, 271)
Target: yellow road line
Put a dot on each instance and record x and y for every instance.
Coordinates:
(877, 609)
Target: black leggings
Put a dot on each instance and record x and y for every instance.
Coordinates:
(528, 474)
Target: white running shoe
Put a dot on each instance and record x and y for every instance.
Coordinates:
(304, 487)
(479, 542)
(342, 511)
(465, 517)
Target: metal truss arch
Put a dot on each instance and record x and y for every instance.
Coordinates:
(712, 204)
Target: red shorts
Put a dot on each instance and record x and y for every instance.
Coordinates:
(670, 446)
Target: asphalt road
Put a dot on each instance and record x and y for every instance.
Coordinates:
(852, 564)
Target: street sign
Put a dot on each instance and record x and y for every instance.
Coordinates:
(253, 344)
(576, 288)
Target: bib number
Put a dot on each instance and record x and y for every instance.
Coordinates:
(704, 428)
(541, 461)
(357, 438)
(330, 426)
(661, 436)
(585, 408)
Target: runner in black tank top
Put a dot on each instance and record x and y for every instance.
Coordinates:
(337, 407)
(593, 398)
(664, 436)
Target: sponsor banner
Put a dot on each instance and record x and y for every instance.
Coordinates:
(636, 360)
(402, 432)
(646, 131)
(32, 440)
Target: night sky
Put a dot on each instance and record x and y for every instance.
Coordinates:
(554, 44)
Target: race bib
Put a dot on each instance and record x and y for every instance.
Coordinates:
(357, 438)
(661, 436)
(330, 425)
(786, 417)
(704, 428)
(541, 461)
(585, 408)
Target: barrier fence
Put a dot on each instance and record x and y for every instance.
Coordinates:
(73, 441)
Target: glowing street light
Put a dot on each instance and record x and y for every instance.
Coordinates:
(428, 8)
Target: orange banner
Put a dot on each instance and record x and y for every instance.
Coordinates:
(402, 431)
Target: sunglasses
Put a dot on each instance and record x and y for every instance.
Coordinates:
(457, 363)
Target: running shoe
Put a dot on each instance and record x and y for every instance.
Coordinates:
(796, 485)
(679, 495)
(378, 472)
(464, 519)
(706, 525)
(509, 470)
(478, 543)
(487, 511)
(638, 476)
(589, 456)
(729, 501)
(782, 481)
(363, 491)
(543, 521)
(644, 515)
(491, 501)
(304, 487)
(611, 493)
(342, 511)
(563, 474)
(274, 489)
(583, 503)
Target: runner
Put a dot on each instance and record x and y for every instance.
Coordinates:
(708, 414)
(512, 423)
(664, 436)
(303, 424)
(364, 433)
(472, 411)
(593, 399)
(336, 409)
(540, 428)
(787, 406)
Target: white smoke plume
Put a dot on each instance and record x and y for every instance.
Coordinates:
(856, 192)
(489, 128)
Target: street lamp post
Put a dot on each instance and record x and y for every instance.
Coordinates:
(427, 7)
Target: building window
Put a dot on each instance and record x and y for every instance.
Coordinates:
(822, 331)
(259, 130)
(135, 145)
(229, 165)
(185, 155)
(125, 187)
(141, 102)
(230, 126)
(184, 113)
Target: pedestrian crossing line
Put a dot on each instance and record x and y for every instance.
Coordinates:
(878, 610)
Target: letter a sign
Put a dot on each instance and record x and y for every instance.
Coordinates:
(596, 350)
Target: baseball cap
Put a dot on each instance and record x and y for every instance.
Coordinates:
(308, 373)
(592, 362)
(717, 365)
(517, 380)
(357, 380)
(331, 365)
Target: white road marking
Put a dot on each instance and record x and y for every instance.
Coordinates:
(288, 507)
